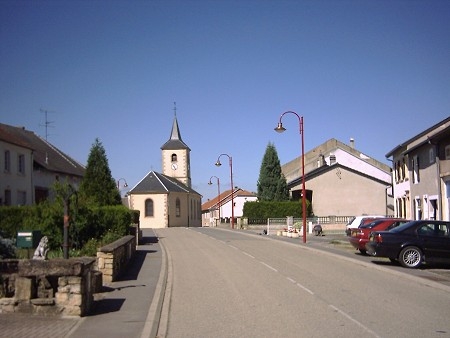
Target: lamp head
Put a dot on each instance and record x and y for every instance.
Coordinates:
(209, 183)
(279, 128)
(125, 185)
(218, 164)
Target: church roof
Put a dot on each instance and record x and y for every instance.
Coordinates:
(175, 142)
(159, 183)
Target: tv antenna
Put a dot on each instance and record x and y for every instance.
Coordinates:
(47, 123)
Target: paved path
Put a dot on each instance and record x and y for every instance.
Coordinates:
(129, 308)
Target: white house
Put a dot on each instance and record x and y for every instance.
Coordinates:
(218, 210)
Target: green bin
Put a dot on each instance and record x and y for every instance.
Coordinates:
(28, 238)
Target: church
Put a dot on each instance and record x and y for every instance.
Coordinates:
(167, 199)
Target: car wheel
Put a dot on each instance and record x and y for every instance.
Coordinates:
(363, 252)
(410, 257)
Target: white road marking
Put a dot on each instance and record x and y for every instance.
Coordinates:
(354, 321)
(270, 267)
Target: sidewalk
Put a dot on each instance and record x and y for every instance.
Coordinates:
(129, 307)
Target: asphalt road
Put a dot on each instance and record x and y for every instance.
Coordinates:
(232, 284)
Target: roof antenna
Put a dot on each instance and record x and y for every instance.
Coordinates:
(47, 123)
(175, 108)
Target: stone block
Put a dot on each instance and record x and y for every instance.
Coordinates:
(75, 300)
(61, 297)
(25, 289)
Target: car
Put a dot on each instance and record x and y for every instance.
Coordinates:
(360, 236)
(356, 221)
(413, 243)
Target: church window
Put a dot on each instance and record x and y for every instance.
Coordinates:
(177, 207)
(149, 208)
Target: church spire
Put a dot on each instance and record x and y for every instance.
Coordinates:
(175, 141)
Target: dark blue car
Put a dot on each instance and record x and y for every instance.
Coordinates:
(413, 243)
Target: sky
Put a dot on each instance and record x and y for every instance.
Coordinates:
(375, 71)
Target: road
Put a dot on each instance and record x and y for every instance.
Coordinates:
(229, 284)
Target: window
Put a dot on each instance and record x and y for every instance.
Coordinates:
(21, 164)
(426, 230)
(415, 166)
(7, 197)
(174, 157)
(149, 208)
(405, 170)
(447, 152)
(7, 167)
(177, 208)
(21, 197)
(431, 155)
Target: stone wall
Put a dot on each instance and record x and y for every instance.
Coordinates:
(57, 286)
(112, 259)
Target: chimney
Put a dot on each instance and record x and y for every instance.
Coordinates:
(352, 143)
(321, 161)
(332, 159)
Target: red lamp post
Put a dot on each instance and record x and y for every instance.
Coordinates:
(218, 164)
(281, 129)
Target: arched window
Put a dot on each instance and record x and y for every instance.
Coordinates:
(174, 157)
(149, 208)
(177, 208)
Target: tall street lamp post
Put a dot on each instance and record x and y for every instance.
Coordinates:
(218, 192)
(280, 129)
(125, 184)
(232, 187)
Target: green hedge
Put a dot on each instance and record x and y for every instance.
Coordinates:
(85, 224)
(266, 209)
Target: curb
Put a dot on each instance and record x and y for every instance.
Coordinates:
(152, 322)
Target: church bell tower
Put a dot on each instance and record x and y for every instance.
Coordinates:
(176, 156)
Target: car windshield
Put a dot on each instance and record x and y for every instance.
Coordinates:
(371, 224)
(402, 227)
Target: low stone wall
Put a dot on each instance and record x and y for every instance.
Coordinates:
(113, 258)
(57, 286)
(62, 286)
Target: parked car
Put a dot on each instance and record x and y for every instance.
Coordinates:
(360, 236)
(413, 243)
(356, 221)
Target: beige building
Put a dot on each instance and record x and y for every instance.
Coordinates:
(421, 174)
(166, 199)
(341, 181)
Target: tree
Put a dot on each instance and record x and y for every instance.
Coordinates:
(271, 184)
(98, 187)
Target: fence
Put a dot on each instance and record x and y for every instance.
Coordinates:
(330, 224)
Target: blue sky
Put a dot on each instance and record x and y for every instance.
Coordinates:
(376, 71)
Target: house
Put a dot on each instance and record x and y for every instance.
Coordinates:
(29, 166)
(167, 199)
(218, 209)
(421, 174)
(341, 181)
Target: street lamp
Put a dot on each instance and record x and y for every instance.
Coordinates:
(280, 129)
(125, 184)
(218, 192)
(232, 187)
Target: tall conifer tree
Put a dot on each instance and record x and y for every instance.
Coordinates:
(271, 184)
(98, 187)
